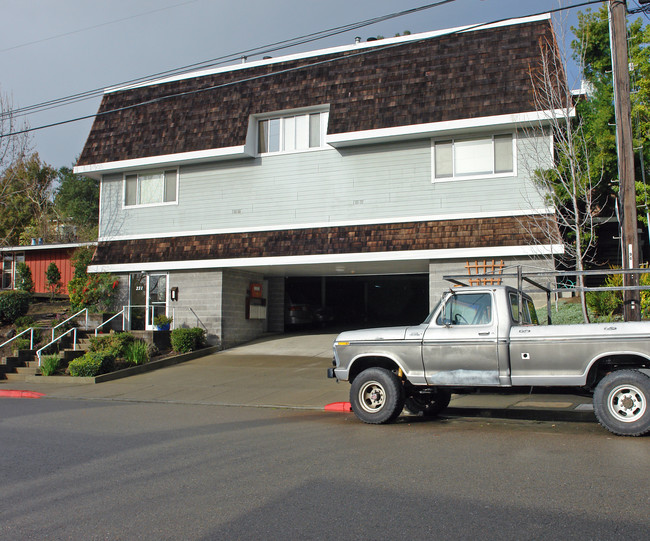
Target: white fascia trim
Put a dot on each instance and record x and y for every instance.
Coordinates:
(38, 247)
(320, 225)
(332, 50)
(408, 255)
(438, 129)
(197, 156)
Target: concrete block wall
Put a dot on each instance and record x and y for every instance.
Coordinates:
(199, 302)
(236, 329)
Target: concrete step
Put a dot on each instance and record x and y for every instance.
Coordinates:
(12, 376)
(27, 371)
(70, 354)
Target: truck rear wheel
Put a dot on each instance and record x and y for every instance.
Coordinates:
(621, 402)
(428, 404)
(377, 396)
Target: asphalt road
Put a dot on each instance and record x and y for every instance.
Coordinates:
(79, 469)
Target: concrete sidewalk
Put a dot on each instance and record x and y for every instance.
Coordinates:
(286, 372)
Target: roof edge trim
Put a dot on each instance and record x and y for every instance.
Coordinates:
(432, 129)
(181, 158)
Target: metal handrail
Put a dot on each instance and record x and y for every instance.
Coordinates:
(31, 338)
(122, 312)
(74, 342)
(71, 317)
(198, 320)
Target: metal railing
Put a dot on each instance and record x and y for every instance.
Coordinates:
(31, 338)
(121, 312)
(71, 317)
(74, 342)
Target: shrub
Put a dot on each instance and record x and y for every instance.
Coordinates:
(93, 291)
(91, 364)
(24, 280)
(606, 303)
(185, 340)
(13, 304)
(50, 365)
(53, 277)
(88, 365)
(23, 322)
(114, 344)
(161, 320)
(137, 352)
(20, 343)
(80, 261)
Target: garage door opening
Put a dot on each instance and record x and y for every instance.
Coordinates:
(356, 301)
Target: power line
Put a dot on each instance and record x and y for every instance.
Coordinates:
(263, 49)
(156, 100)
(71, 32)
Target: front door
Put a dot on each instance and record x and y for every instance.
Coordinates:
(460, 345)
(147, 300)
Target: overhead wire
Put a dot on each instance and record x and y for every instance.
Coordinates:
(155, 100)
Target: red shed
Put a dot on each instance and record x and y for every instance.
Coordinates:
(38, 257)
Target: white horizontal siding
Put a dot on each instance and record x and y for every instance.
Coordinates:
(361, 183)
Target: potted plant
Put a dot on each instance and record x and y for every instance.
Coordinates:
(162, 322)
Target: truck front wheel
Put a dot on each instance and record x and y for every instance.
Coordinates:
(428, 404)
(621, 402)
(377, 396)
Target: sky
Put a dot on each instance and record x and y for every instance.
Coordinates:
(50, 50)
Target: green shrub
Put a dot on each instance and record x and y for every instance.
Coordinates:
(23, 322)
(607, 303)
(50, 365)
(94, 291)
(184, 340)
(13, 304)
(21, 343)
(137, 352)
(114, 344)
(24, 280)
(91, 364)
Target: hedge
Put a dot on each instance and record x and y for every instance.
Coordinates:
(13, 304)
(186, 340)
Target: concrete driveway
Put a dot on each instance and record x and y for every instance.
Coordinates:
(277, 371)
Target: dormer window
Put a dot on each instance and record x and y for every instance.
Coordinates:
(291, 133)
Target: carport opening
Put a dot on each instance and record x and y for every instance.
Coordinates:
(356, 301)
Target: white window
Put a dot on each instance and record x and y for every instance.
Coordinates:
(474, 157)
(291, 133)
(151, 188)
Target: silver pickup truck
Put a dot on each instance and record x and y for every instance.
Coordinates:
(489, 337)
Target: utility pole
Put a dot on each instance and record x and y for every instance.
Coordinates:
(625, 152)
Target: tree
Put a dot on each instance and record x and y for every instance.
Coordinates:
(13, 149)
(53, 277)
(570, 187)
(591, 47)
(76, 205)
(27, 206)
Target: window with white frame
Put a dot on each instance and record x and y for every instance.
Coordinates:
(290, 133)
(151, 188)
(474, 157)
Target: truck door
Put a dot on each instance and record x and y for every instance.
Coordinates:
(460, 344)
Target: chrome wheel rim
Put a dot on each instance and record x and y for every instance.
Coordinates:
(372, 396)
(627, 403)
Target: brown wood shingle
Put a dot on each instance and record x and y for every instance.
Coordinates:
(433, 235)
(465, 75)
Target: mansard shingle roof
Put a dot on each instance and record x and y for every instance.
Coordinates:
(466, 75)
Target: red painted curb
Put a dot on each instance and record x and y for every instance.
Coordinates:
(339, 406)
(6, 393)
